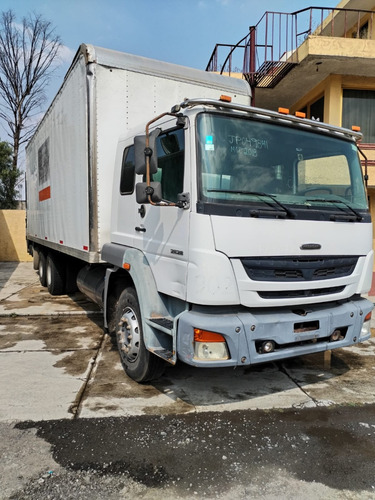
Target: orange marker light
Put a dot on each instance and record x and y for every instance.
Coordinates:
(126, 266)
(355, 128)
(225, 98)
(284, 111)
(206, 336)
(299, 114)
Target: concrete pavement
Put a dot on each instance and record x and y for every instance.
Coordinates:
(56, 362)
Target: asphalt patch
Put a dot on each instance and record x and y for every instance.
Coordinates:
(208, 453)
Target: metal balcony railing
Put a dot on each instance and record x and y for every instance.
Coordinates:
(269, 51)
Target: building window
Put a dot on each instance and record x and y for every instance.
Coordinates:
(362, 32)
(317, 110)
(358, 108)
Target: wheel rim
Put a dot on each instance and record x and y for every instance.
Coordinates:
(128, 335)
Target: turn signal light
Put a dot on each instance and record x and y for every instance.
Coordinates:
(207, 336)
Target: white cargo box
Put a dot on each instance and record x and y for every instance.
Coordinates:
(70, 159)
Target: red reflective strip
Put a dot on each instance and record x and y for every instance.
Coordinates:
(45, 193)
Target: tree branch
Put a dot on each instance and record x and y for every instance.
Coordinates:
(26, 58)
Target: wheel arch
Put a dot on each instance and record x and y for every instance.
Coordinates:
(138, 275)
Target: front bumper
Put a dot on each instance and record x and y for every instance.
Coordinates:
(295, 331)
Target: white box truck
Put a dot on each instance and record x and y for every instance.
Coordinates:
(209, 231)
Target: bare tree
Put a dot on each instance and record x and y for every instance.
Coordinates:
(27, 54)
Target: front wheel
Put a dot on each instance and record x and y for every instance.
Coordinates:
(139, 363)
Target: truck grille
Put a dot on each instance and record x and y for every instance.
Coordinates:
(298, 268)
(293, 294)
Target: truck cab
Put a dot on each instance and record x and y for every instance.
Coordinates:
(258, 243)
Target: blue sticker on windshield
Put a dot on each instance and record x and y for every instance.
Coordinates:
(209, 146)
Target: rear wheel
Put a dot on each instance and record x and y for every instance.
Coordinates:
(55, 275)
(35, 259)
(42, 265)
(139, 363)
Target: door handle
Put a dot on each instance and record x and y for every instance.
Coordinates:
(140, 229)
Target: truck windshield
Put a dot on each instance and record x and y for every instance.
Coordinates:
(259, 162)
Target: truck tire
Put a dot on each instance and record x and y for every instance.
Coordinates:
(35, 259)
(42, 268)
(139, 363)
(55, 275)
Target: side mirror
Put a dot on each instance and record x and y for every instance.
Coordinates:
(143, 191)
(140, 152)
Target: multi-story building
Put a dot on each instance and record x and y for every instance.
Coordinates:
(320, 61)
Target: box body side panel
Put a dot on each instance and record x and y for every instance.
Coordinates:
(57, 169)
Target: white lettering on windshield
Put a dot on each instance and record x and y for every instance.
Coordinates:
(245, 151)
(247, 142)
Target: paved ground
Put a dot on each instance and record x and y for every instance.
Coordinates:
(62, 389)
(56, 362)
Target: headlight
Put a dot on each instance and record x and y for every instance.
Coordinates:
(366, 327)
(209, 345)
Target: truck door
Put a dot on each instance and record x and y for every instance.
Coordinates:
(162, 232)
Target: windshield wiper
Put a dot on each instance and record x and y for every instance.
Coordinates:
(260, 195)
(336, 202)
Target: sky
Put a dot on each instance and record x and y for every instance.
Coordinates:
(178, 31)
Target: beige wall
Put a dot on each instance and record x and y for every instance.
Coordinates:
(12, 236)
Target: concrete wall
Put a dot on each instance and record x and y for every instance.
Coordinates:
(12, 236)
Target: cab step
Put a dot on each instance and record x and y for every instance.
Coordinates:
(164, 323)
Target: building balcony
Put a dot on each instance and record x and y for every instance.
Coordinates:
(318, 57)
(295, 52)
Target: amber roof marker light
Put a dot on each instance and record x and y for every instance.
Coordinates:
(225, 98)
